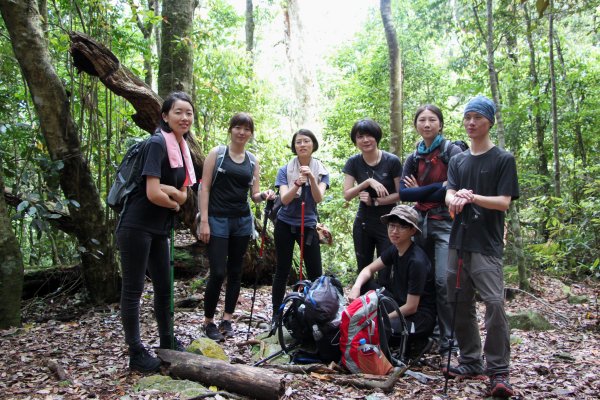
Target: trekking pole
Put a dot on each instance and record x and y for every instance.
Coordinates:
(263, 236)
(302, 205)
(171, 294)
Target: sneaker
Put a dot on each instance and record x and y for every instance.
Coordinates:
(165, 343)
(499, 386)
(225, 328)
(140, 360)
(463, 370)
(213, 333)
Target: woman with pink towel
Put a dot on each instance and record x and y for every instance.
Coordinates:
(145, 222)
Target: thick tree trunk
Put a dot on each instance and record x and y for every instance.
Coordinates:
(11, 268)
(512, 211)
(100, 269)
(396, 81)
(176, 58)
(304, 107)
(256, 383)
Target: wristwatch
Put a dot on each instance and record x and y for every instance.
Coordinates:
(375, 203)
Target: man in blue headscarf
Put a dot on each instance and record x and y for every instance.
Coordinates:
(481, 184)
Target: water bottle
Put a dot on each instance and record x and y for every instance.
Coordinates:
(365, 348)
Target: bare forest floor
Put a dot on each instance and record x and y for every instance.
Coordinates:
(563, 363)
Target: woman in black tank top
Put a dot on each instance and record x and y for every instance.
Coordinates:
(226, 223)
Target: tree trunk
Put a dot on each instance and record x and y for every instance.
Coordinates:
(11, 268)
(512, 211)
(147, 30)
(176, 58)
(100, 269)
(254, 382)
(554, 118)
(540, 125)
(396, 81)
(249, 26)
(574, 103)
(304, 103)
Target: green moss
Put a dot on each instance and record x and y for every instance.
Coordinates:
(529, 321)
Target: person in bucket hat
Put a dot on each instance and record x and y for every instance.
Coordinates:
(406, 274)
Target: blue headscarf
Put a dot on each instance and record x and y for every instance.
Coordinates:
(422, 149)
(482, 105)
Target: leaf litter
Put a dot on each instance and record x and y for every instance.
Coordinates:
(563, 363)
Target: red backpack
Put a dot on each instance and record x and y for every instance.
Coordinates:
(367, 318)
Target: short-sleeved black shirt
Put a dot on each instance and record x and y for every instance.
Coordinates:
(388, 168)
(493, 173)
(139, 212)
(410, 273)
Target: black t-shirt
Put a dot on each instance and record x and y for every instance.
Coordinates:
(388, 168)
(229, 192)
(493, 173)
(139, 212)
(410, 273)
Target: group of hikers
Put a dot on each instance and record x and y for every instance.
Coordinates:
(430, 258)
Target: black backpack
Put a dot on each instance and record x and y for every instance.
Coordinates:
(128, 176)
(444, 155)
(312, 314)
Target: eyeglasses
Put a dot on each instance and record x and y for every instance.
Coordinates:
(398, 227)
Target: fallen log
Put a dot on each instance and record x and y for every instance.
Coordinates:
(243, 379)
(361, 383)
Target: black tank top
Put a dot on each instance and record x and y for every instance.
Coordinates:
(229, 192)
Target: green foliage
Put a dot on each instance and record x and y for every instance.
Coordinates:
(573, 229)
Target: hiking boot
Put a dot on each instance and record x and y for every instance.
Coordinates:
(140, 360)
(212, 332)
(225, 328)
(499, 386)
(463, 370)
(165, 343)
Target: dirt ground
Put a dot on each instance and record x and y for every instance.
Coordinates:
(562, 363)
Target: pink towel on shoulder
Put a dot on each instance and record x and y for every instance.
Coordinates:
(175, 151)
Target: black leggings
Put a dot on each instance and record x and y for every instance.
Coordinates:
(225, 256)
(285, 237)
(140, 250)
(369, 234)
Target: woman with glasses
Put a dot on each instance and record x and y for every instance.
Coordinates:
(373, 176)
(407, 276)
(226, 222)
(303, 180)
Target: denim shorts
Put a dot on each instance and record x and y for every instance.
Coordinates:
(225, 227)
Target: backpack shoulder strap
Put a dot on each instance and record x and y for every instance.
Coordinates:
(385, 306)
(445, 151)
(252, 159)
(221, 150)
